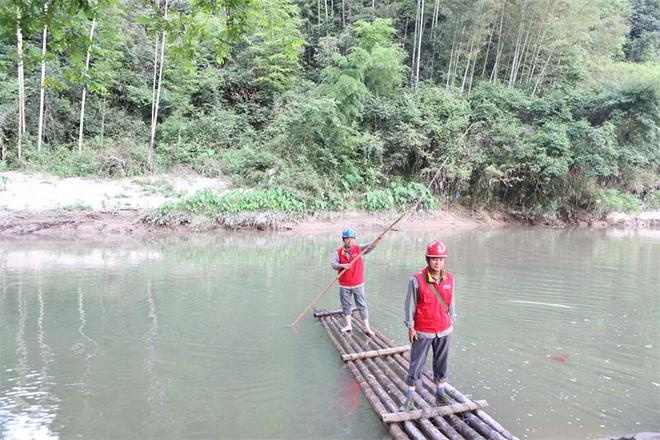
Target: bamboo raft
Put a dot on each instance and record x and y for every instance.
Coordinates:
(380, 368)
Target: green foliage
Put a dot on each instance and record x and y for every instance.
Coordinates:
(612, 200)
(653, 200)
(209, 203)
(314, 101)
(276, 45)
(120, 161)
(398, 196)
(644, 38)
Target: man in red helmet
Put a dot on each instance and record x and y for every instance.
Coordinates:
(429, 312)
(351, 282)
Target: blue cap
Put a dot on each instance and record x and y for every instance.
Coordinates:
(348, 233)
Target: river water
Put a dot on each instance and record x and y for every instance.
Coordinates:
(188, 338)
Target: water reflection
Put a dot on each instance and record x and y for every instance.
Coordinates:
(27, 408)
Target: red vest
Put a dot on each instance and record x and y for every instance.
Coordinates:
(355, 275)
(431, 315)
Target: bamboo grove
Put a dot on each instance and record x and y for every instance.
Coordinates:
(533, 105)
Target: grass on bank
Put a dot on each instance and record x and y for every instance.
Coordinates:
(266, 208)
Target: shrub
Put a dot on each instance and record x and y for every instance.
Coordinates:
(398, 196)
(612, 200)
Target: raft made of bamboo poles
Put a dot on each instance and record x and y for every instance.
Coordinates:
(379, 366)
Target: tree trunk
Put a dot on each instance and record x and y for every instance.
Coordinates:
(42, 86)
(522, 54)
(472, 57)
(102, 119)
(467, 67)
(434, 35)
(436, 12)
(152, 141)
(154, 85)
(451, 60)
(545, 66)
(414, 46)
(515, 53)
(490, 40)
(21, 85)
(419, 45)
(539, 44)
(500, 45)
(84, 90)
(526, 50)
(458, 56)
(343, 14)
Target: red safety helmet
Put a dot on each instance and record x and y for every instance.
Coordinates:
(436, 249)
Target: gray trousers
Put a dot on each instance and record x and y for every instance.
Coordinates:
(345, 294)
(418, 353)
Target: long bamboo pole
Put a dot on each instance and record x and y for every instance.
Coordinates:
(371, 246)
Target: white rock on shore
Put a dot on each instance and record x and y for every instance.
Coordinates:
(641, 220)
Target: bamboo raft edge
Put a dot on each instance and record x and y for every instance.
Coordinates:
(379, 365)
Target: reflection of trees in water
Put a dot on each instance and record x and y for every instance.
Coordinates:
(156, 393)
(47, 400)
(82, 348)
(28, 408)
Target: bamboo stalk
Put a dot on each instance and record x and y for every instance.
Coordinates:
(410, 427)
(376, 404)
(388, 368)
(414, 47)
(374, 353)
(458, 396)
(490, 40)
(472, 421)
(42, 83)
(84, 91)
(395, 386)
(394, 429)
(419, 44)
(320, 313)
(455, 427)
(433, 411)
(21, 85)
(154, 119)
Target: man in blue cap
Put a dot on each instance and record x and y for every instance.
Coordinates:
(351, 282)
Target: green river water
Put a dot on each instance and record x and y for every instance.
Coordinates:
(558, 329)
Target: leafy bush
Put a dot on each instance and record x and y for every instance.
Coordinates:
(653, 200)
(613, 200)
(398, 196)
(210, 203)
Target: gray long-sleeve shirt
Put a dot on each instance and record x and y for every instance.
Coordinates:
(410, 309)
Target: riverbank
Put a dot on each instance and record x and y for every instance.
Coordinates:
(50, 206)
(134, 222)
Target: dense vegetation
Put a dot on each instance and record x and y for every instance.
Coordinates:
(535, 106)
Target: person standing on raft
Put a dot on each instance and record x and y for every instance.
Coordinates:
(351, 282)
(429, 317)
